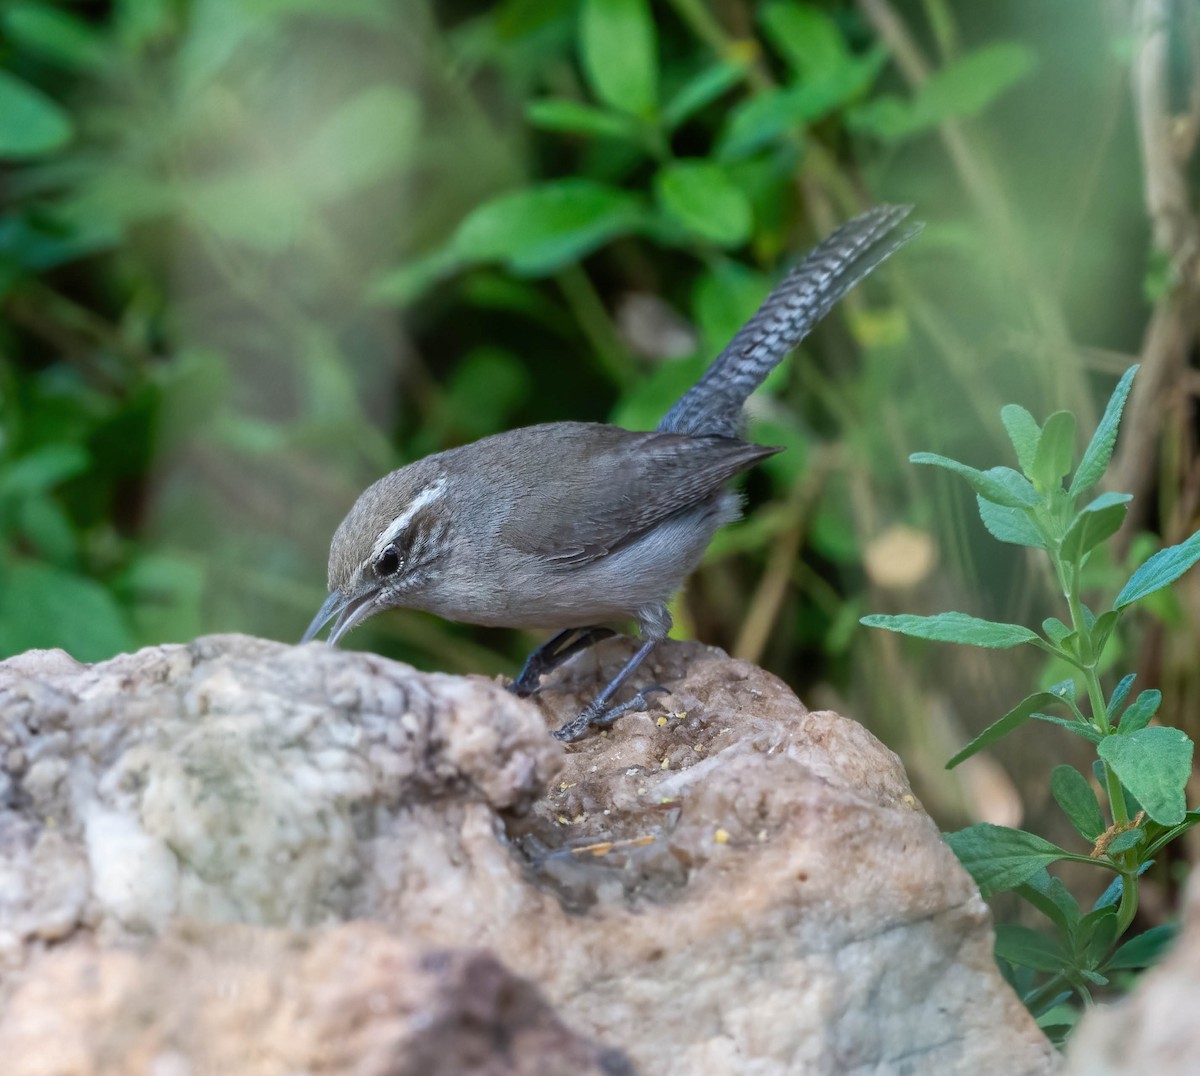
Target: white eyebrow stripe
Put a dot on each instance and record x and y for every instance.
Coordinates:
(398, 525)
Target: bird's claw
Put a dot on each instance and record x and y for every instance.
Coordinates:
(602, 717)
(524, 686)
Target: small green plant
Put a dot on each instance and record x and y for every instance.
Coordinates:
(1141, 770)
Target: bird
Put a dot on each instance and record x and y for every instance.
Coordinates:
(576, 526)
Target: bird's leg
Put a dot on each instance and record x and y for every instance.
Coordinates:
(551, 654)
(598, 714)
(654, 622)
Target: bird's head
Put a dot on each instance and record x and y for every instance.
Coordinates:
(385, 549)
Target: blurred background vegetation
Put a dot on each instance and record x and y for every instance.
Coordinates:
(256, 253)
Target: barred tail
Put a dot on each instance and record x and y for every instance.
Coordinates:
(714, 404)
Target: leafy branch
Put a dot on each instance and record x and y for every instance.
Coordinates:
(1142, 770)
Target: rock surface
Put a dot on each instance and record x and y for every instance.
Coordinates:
(729, 885)
(1154, 1028)
(261, 1002)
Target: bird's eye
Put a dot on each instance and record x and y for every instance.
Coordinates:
(388, 562)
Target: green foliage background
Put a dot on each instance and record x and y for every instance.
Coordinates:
(255, 253)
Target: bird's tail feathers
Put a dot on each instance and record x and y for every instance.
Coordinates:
(714, 404)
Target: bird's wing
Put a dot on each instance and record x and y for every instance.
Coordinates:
(614, 488)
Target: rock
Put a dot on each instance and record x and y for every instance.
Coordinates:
(259, 1001)
(187, 780)
(745, 887)
(1152, 1029)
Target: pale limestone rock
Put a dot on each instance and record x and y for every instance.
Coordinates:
(1154, 1029)
(259, 1001)
(745, 888)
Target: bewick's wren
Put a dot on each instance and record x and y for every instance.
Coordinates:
(574, 525)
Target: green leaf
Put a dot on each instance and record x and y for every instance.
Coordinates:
(815, 48)
(1172, 833)
(1095, 937)
(53, 35)
(1107, 500)
(143, 23)
(31, 124)
(46, 607)
(111, 200)
(1154, 764)
(574, 117)
(368, 138)
(49, 530)
(166, 595)
(1015, 483)
(45, 242)
(1001, 485)
(954, 628)
(1000, 858)
(1058, 1016)
(1056, 631)
(1139, 714)
(541, 229)
(1099, 451)
(966, 86)
(1078, 802)
(481, 396)
(619, 47)
(1064, 690)
(1014, 719)
(1055, 451)
(405, 283)
(700, 196)
(1020, 945)
(1094, 524)
(1012, 525)
(1120, 693)
(702, 90)
(962, 88)
(887, 117)
(762, 119)
(806, 37)
(1052, 898)
(42, 469)
(1102, 629)
(1161, 570)
(1146, 949)
(651, 396)
(723, 299)
(1024, 433)
(1122, 842)
(1111, 896)
(1080, 728)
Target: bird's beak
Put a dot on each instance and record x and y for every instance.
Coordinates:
(345, 610)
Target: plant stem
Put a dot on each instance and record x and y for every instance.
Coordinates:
(1116, 797)
(768, 596)
(597, 326)
(707, 28)
(1129, 901)
(1088, 659)
(1116, 794)
(1049, 989)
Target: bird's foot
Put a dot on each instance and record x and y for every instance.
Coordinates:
(598, 716)
(528, 683)
(550, 655)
